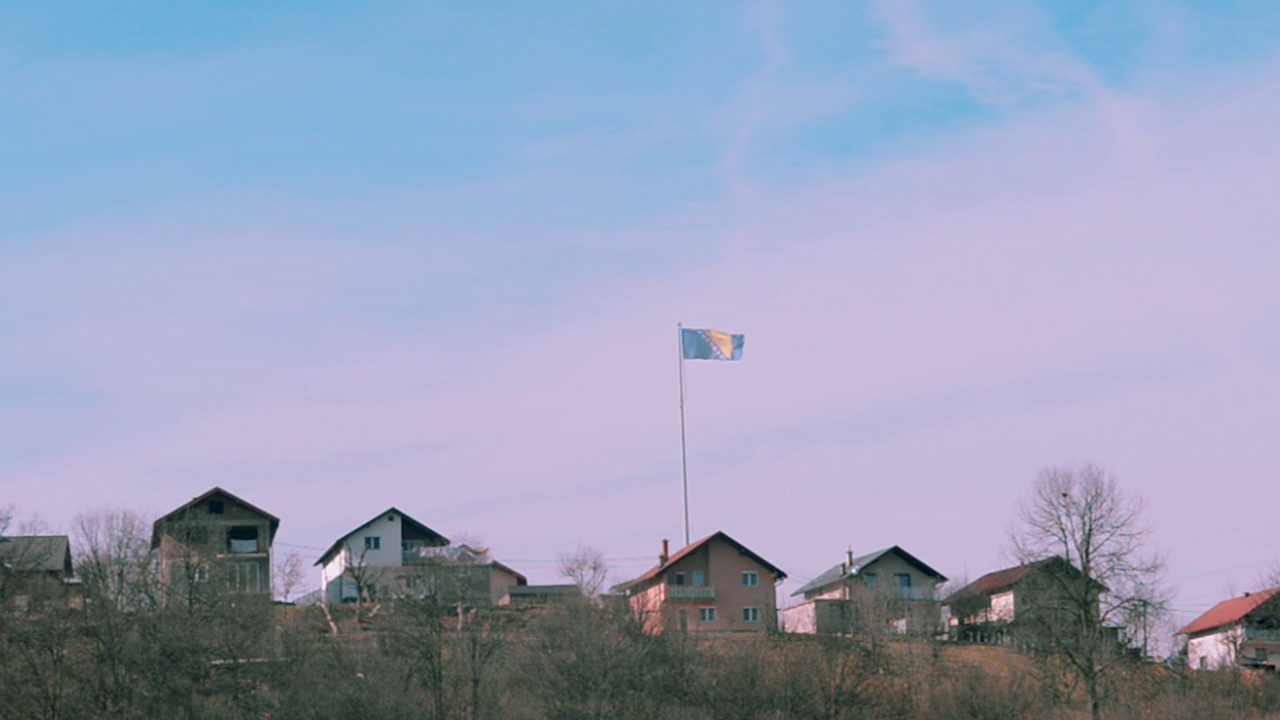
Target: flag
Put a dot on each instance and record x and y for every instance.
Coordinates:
(710, 345)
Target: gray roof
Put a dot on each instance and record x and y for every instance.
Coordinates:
(842, 572)
(36, 553)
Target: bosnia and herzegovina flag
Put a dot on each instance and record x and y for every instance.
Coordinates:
(710, 345)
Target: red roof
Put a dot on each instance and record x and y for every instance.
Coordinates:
(1229, 612)
(692, 548)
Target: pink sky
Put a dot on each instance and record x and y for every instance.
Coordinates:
(1091, 281)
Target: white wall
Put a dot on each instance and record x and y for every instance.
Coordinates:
(1002, 607)
(387, 528)
(800, 618)
(1216, 650)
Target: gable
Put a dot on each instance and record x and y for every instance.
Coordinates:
(887, 561)
(215, 505)
(409, 529)
(659, 572)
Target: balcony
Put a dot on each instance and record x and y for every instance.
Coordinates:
(1255, 634)
(691, 592)
(912, 593)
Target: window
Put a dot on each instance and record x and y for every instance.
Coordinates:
(707, 614)
(391, 518)
(684, 619)
(750, 579)
(871, 580)
(751, 615)
(902, 581)
(242, 540)
(372, 542)
(215, 507)
(1260, 654)
(699, 578)
(679, 578)
(245, 577)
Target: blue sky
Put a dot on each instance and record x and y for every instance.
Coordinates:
(335, 258)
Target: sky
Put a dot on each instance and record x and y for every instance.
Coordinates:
(338, 257)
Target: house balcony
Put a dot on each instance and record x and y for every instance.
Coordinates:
(918, 594)
(1270, 635)
(691, 592)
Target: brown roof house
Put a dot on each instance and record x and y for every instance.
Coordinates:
(994, 607)
(216, 544)
(887, 589)
(713, 584)
(1242, 632)
(394, 555)
(36, 571)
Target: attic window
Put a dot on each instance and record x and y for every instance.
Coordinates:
(391, 518)
(215, 507)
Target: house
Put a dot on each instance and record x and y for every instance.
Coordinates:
(713, 584)
(395, 555)
(1243, 632)
(216, 542)
(887, 586)
(35, 570)
(991, 608)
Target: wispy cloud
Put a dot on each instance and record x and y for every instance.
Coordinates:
(1001, 56)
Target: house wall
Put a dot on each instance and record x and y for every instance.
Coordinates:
(499, 581)
(884, 571)
(235, 569)
(723, 565)
(1234, 646)
(387, 528)
(802, 618)
(1213, 650)
(887, 566)
(1002, 607)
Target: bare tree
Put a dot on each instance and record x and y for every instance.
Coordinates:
(1104, 575)
(115, 561)
(288, 574)
(364, 577)
(586, 567)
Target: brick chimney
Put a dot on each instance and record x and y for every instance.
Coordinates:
(662, 559)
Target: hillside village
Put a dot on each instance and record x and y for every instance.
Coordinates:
(716, 584)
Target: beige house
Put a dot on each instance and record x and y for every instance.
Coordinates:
(715, 584)
(217, 542)
(1240, 632)
(991, 608)
(889, 588)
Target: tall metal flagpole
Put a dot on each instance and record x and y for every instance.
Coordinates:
(684, 462)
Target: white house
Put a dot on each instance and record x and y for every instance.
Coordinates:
(1243, 631)
(379, 547)
(394, 555)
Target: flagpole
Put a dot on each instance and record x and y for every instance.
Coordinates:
(684, 462)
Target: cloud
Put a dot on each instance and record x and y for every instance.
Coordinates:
(1001, 56)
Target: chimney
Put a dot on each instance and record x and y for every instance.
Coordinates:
(662, 559)
(848, 558)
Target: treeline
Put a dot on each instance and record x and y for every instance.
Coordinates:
(236, 657)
